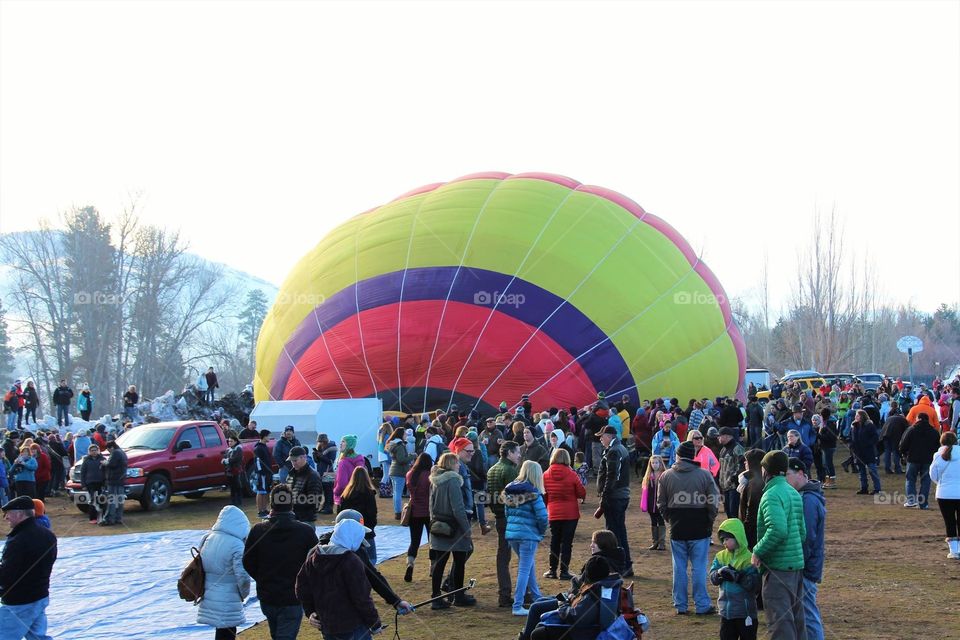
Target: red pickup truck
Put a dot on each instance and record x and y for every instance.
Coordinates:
(172, 458)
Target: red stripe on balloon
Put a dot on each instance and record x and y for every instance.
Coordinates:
(420, 320)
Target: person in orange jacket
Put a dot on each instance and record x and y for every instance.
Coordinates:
(924, 406)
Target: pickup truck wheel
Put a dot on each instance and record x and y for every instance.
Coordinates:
(156, 493)
(250, 486)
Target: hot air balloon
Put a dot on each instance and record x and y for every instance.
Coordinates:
(493, 286)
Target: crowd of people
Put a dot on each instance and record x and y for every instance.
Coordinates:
(449, 474)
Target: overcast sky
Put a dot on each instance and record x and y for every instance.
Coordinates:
(257, 127)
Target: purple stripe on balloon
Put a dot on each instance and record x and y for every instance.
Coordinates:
(568, 327)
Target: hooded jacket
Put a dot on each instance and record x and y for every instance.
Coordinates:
(333, 584)
(687, 496)
(526, 514)
(750, 486)
(923, 406)
(738, 598)
(666, 446)
(446, 504)
(400, 458)
(814, 519)
(946, 473)
(780, 527)
(377, 582)
(226, 582)
(919, 443)
(273, 554)
(563, 490)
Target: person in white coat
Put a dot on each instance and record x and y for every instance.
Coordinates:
(945, 471)
(226, 583)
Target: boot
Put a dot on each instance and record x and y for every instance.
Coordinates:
(408, 574)
(655, 535)
(662, 538)
(954, 544)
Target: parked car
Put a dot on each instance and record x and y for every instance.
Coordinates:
(171, 458)
(840, 378)
(810, 384)
(870, 381)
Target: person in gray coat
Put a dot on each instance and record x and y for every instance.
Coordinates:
(446, 507)
(115, 473)
(226, 582)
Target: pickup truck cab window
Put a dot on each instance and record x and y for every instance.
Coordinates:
(152, 439)
(211, 435)
(189, 435)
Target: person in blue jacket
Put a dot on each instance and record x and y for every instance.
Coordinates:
(815, 519)
(801, 424)
(797, 449)
(665, 443)
(526, 525)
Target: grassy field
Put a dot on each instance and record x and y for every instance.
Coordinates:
(886, 576)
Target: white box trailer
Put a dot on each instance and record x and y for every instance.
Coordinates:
(361, 417)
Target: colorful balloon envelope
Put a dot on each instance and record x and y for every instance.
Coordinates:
(494, 286)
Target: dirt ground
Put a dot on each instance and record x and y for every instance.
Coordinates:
(886, 576)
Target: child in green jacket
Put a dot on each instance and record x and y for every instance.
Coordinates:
(739, 583)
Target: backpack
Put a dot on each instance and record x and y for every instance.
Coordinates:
(636, 621)
(190, 585)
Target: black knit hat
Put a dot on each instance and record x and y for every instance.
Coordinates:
(775, 462)
(596, 569)
(686, 450)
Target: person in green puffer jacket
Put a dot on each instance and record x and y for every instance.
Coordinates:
(779, 550)
(739, 582)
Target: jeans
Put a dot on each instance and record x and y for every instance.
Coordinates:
(890, 451)
(503, 560)
(811, 612)
(63, 415)
(11, 420)
(478, 504)
(526, 551)
(385, 468)
(360, 633)
(31, 411)
(561, 543)
(828, 462)
(132, 413)
(327, 497)
(398, 483)
(755, 434)
(694, 552)
(615, 517)
(537, 609)
(372, 550)
(731, 503)
(874, 475)
(208, 395)
(284, 621)
(283, 473)
(25, 620)
(597, 450)
(921, 471)
(114, 507)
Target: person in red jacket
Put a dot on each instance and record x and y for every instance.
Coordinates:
(43, 473)
(563, 494)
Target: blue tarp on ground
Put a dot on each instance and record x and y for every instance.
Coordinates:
(125, 586)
